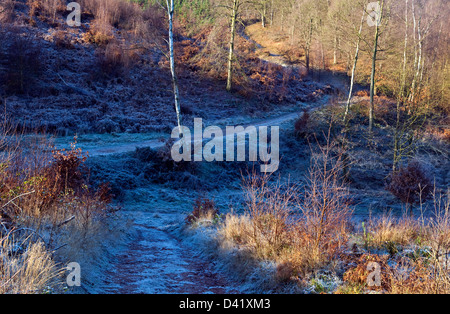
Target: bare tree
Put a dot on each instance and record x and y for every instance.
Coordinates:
(355, 62)
(232, 10)
(419, 58)
(169, 7)
(262, 6)
(379, 18)
(307, 16)
(234, 15)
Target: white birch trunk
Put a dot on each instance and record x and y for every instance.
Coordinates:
(170, 12)
(355, 62)
(231, 49)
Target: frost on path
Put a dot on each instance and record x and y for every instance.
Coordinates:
(104, 150)
(155, 262)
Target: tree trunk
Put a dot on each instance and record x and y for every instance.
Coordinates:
(374, 62)
(292, 33)
(308, 46)
(401, 96)
(231, 51)
(263, 14)
(372, 81)
(170, 12)
(355, 62)
(418, 63)
(403, 81)
(335, 49)
(272, 13)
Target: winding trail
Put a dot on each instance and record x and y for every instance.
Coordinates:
(130, 147)
(154, 260)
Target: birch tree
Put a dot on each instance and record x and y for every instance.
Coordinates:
(378, 17)
(307, 17)
(408, 89)
(169, 7)
(420, 32)
(262, 6)
(355, 62)
(233, 18)
(232, 10)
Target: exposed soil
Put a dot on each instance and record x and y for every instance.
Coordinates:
(156, 262)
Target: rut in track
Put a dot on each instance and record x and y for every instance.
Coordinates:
(156, 262)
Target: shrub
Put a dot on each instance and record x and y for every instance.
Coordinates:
(301, 125)
(300, 231)
(410, 184)
(43, 183)
(109, 59)
(204, 210)
(362, 93)
(68, 168)
(117, 13)
(164, 154)
(359, 275)
(61, 40)
(323, 229)
(113, 59)
(99, 33)
(420, 277)
(23, 62)
(159, 167)
(426, 271)
(50, 8)
(269, 208)
(48, 211)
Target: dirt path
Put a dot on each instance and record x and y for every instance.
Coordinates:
(273, 51)
(130, 147)
(156, 262)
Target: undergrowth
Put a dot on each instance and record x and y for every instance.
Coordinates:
(49, 213)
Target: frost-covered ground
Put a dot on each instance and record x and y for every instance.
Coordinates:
(118, 143)
(157, 254)
(160, 255)
(155, 260)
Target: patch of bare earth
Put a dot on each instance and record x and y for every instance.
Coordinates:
(156, 262)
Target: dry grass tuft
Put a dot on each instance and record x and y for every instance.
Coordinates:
(33, 272)
(387, 231)
(300, 231)
(205, 210)
(411, 184)
(49, 213)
